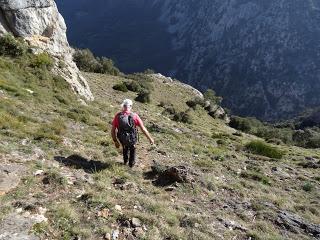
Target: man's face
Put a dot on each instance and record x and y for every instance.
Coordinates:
(127, 107)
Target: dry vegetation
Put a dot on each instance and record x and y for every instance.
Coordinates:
(236, 193)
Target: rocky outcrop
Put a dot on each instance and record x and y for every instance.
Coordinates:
(297, 224)
(41, 25)
(10, 175)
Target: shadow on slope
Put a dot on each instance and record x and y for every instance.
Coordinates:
(79, 162)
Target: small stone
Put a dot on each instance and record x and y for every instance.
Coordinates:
(42, 210)
(170, 189)
(107, 236)
(29, 91)
(118, 208)
(115, 234)
(135, 222)
(38, 172)
(104, 213)
(19, 210)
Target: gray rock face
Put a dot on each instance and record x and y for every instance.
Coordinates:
(261, 56)
(42, 26)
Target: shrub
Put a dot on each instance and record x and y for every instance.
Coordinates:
(313, 142)
(269, 132)
(55, 178)
(144, 80)
(133, 86)
(42, 60)
(309, 138)
(143, 96)
(196, 101)
(79, 114)
(120, 87)
(87, 62)
(248, 125)
(182, 117)
(170, 110)
(307, 186)
(264, 149)
(256, 176)
(107, 66)
(210, 95)
(10, 46)
(149, 71)
(241, 124)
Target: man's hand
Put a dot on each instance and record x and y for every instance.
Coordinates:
(117, 144)
(151, 141)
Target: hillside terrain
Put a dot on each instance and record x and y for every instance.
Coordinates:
(62, 178)
(261, 56)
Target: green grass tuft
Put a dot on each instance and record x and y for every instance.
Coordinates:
(264, 149)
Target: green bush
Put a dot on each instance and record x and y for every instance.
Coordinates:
(133, 86)
(143, 96)
(107, 66)
(307, 186)
(87, 62)
(10, 46)
(256, 176)
(264, 149)
(313, 142)
(196, 101)
(210, 95)
(269, 132)
(239, 123)
(168, 108)
(120, 87)
(182, 117)
(42, 60)
(247, 125)
(144, 80)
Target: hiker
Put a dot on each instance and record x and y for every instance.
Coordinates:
(124, 129)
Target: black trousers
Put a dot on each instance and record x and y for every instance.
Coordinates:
(129, 154)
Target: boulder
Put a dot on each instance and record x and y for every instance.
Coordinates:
(182, 174)
(10, 175)
(41, 25)
(17, 226)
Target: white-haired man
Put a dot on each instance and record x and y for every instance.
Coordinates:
(124, 129)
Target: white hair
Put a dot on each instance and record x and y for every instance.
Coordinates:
(127, 103)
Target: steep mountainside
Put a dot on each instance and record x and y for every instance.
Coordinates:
(62, 178)
(261, 56)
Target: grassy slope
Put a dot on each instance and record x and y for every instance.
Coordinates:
(235, 185)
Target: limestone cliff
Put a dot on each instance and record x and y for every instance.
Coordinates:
(41, 25)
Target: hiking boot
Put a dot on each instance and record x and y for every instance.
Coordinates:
(131, 164)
